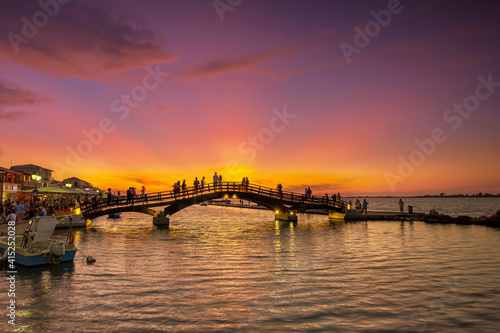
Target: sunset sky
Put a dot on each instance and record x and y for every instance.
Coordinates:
(358, 97)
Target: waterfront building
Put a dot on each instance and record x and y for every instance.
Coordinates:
(45, 175)
(10, 183)
(75, 182)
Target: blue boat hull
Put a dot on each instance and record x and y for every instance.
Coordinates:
(39, 260)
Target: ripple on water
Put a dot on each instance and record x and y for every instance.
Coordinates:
(216, 270)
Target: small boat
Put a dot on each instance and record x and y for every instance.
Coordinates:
(76, 221)
(37, 246)
(115, 215)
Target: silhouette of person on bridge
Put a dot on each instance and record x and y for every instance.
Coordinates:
(216, 180)
(176, 189)
(129, 195)
(109, 197)
(196, 184)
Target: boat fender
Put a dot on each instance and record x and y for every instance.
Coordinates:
(90, 260)
(71, 238)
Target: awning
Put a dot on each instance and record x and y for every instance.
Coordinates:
(50, 190)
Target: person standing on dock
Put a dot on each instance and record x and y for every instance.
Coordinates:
(183, 186)
(365, 207)
(202, 184)
(401, 206)
(357, 204)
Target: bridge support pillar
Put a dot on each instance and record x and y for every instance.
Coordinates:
(161, 220)
(287, 216)
(335, 215)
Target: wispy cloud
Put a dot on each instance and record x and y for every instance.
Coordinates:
(11, 116)
(12, 96)
(160, 108)
(242, 63)
(84, 40)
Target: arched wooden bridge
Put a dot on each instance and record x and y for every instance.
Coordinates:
(284, 202)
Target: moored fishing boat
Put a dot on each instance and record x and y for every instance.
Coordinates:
(37, 246)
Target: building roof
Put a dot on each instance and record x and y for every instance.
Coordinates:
(9, 170)
(28, 166)
(74, 178)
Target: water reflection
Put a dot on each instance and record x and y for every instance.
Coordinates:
(215, 270)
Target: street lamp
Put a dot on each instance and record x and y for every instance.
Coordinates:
(36, 178)
(2, 176)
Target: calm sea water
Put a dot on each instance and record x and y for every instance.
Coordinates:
(221, 269)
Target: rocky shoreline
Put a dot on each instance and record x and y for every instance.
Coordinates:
(490, 221)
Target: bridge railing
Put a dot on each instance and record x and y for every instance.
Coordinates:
(168, 197)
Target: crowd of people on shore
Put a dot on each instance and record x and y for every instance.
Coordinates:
(27, 209)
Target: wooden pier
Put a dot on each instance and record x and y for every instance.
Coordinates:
(355, 215)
